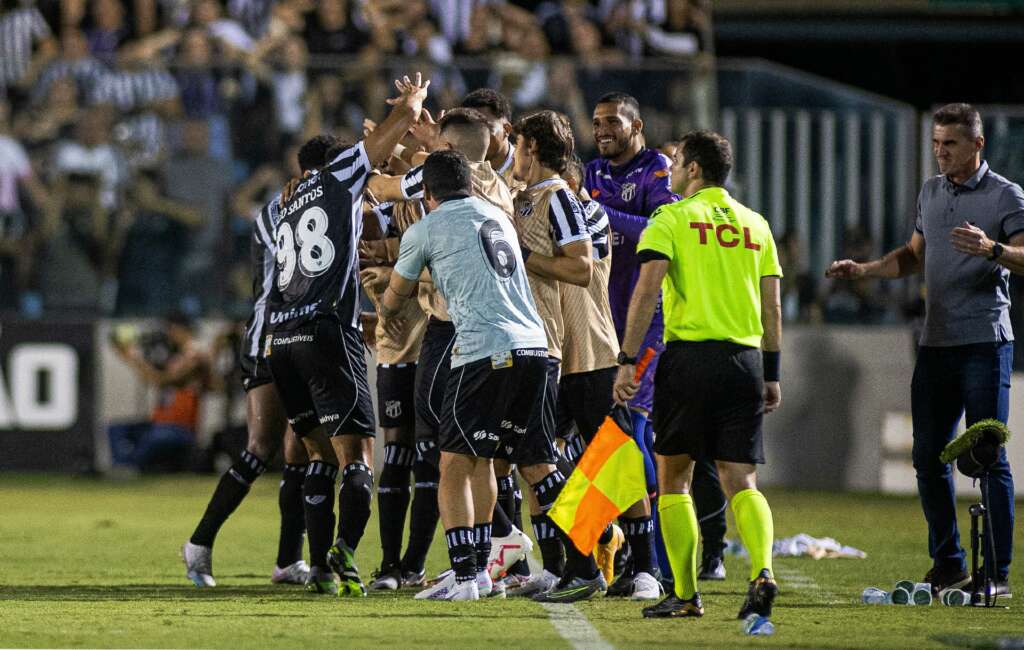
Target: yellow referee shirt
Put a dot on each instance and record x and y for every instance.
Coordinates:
(718, 251)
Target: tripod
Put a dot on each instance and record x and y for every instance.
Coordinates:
(982, 595)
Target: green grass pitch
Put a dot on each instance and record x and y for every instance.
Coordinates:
(95, 564)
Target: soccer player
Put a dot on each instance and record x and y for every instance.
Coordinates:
(631, 182)
(397, 351)
(498, 365)
(716, 261)
(589, 354)
(266, 422)
(315, 349)
(469, 132)
(556, 249)
(498, 111)
(970, 222)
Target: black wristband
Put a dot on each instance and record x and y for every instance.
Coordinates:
(526, 253)
(771, 362)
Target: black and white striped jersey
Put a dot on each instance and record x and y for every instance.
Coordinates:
(597, 225)
(128, 90)
(20, 29)
(85, 72)
(316, 234)
(263, 257)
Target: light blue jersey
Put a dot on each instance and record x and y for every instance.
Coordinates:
(473, 254)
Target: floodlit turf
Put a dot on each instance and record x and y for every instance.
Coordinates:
(95, 563)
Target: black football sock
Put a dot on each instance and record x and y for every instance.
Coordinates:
(511, 497)
(231, 490)
(482, 535)
(393, 501)
(576, 564)
(551, 554)
(640, 534)
(501, 525)
(354, 498)
(606, 535)
(462, 552)
(293, 517)
(423, 517)
(318, 504)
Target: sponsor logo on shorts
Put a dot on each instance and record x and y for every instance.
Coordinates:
(393, 408)
(484, 435)
(316, 500)
(519, 431)
(333, 417)
(294, 338)
(300, 417)
(531, 352)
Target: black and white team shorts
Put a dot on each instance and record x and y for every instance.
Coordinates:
(255, 372)
(320, 372)
(396, 391)
(584, 399)
(709, 401)
(495, 407)
(432, 370)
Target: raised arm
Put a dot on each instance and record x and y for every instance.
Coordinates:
(407, 106)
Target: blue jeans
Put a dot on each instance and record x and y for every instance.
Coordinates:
(948, 381)
(147, 445)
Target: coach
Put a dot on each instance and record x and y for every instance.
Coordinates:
(721, 276)
(971, 221)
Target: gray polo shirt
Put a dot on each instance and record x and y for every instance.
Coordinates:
(968, 298)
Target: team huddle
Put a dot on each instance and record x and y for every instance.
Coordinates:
(513, 290)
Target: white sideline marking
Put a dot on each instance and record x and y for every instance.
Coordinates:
(574, 627)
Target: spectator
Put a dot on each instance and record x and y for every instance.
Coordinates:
(77, 248)
(677, 28)
(799, 300)
(155, 234)
(54, 119)
(336, 27)
(75, 63)
(199, 180)
(16, 179)
(208, 15)
(109, 30)
(22, 28)
(172, 362)
(92, 154)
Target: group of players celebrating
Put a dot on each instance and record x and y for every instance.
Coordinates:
(501, 271)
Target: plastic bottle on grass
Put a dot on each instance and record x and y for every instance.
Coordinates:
(757, 625)
(901, 596)
(954, 597)
(875, 596)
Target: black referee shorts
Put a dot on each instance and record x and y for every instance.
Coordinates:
(584, 399)
(396, 391)
(494, 407)
(709, 401)
(320, 372)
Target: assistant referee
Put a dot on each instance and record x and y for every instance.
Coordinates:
(716, 263)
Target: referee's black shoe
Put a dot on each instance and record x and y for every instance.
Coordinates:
(672, 606)
(760, 595)
(712, 568)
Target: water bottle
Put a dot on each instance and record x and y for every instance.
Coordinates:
(875, 596)
(901, 596)
(922, 594)
(757, 625)
(954, 597)
(906, 584)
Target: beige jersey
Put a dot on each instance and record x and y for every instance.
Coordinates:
(590, 339)
(491, 187)
(406, 347)
(549, 216)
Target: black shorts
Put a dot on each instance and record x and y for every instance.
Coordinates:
(396, 385)
(584, 399)
(255, 372)
(499, 411)
(709, 401)
(320, 372)
(432, 371)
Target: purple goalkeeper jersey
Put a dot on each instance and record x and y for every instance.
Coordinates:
(629, 194)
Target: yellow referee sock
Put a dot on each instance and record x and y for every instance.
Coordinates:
(754, 521)
(680, 530)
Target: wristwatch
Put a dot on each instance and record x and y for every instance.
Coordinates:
(997, 250)
(624, 360)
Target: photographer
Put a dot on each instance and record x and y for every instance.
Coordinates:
(171, 361)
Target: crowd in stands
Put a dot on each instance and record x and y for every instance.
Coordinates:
(138, 137)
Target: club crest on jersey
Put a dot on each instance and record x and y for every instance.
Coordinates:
(525, 209)
(628, 191)
(393, 408)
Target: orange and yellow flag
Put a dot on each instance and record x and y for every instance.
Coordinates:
(608, 479)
